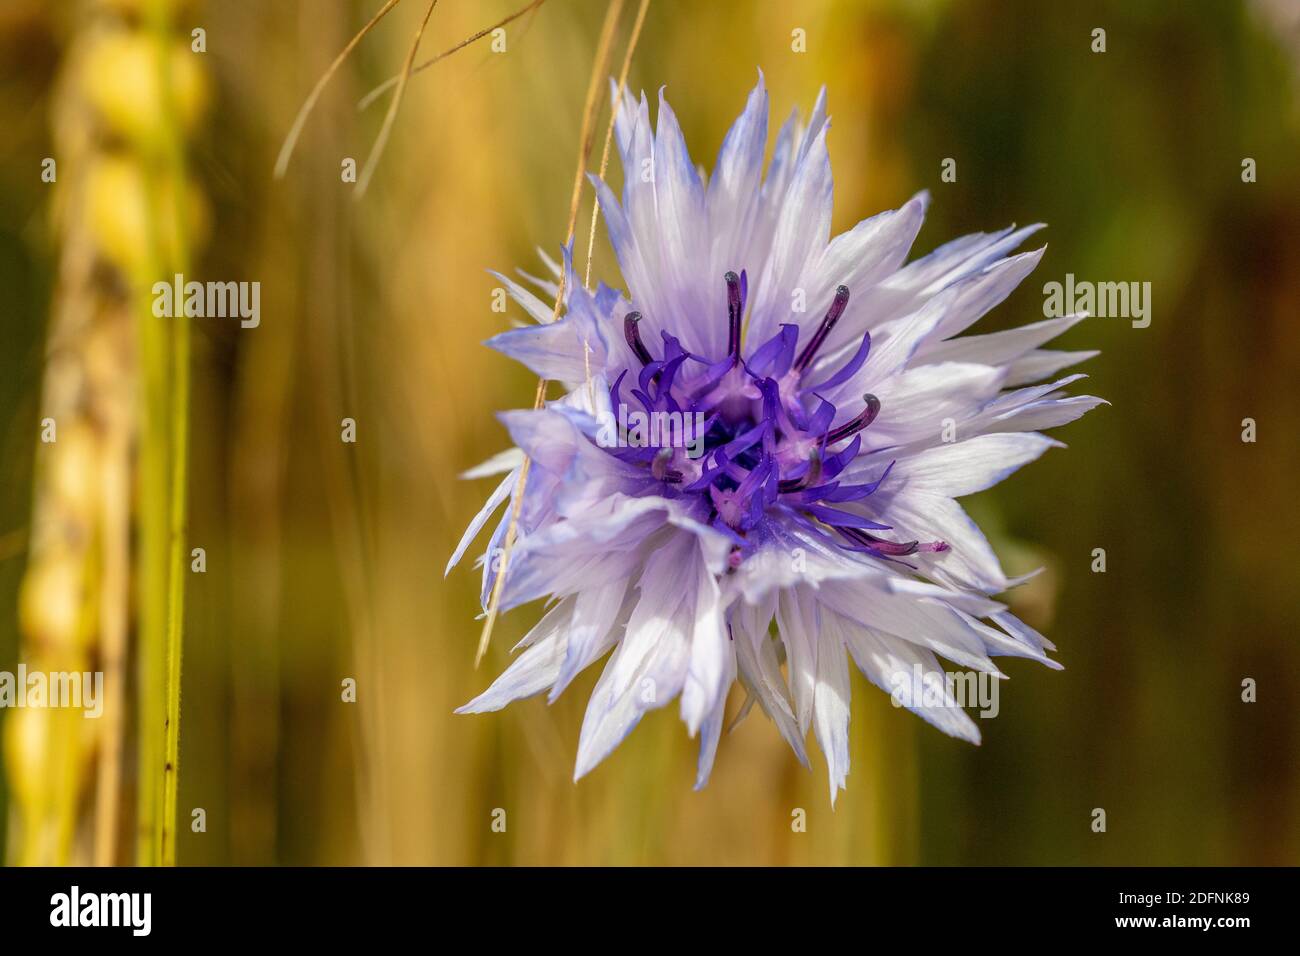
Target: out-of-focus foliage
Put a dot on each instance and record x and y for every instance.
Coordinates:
(325, 560)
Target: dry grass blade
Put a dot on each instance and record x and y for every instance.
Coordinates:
(381, 141)
(598, 69)
(392, 81)
(291, 140)
(609, 134)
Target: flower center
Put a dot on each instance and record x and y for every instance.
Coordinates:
(767, 440)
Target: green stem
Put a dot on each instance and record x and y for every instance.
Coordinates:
(180, 369)
(153, 578)
(165, 474)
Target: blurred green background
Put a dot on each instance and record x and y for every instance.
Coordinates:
(324, 560)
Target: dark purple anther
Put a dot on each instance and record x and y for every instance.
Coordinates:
(819, 337)
(895, 549)
(859, 422)
(735, 308)
(633, 335)
(879, 546)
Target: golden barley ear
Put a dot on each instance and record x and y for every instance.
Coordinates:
(115, 397)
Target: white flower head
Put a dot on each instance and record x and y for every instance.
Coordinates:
(756, 462)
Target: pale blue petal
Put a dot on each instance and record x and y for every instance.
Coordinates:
(890, 664)
(965, 467)
(831, 704)
(494, 501)
(798, 620)
(535, 307)
(592, 631)
(1041, 363)
(532, 671)
(997, 348)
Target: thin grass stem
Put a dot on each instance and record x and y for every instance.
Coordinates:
(586, 137)
(392, 81)
(176, 356)
(609, 133)
(291, 140)
(381, 141)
